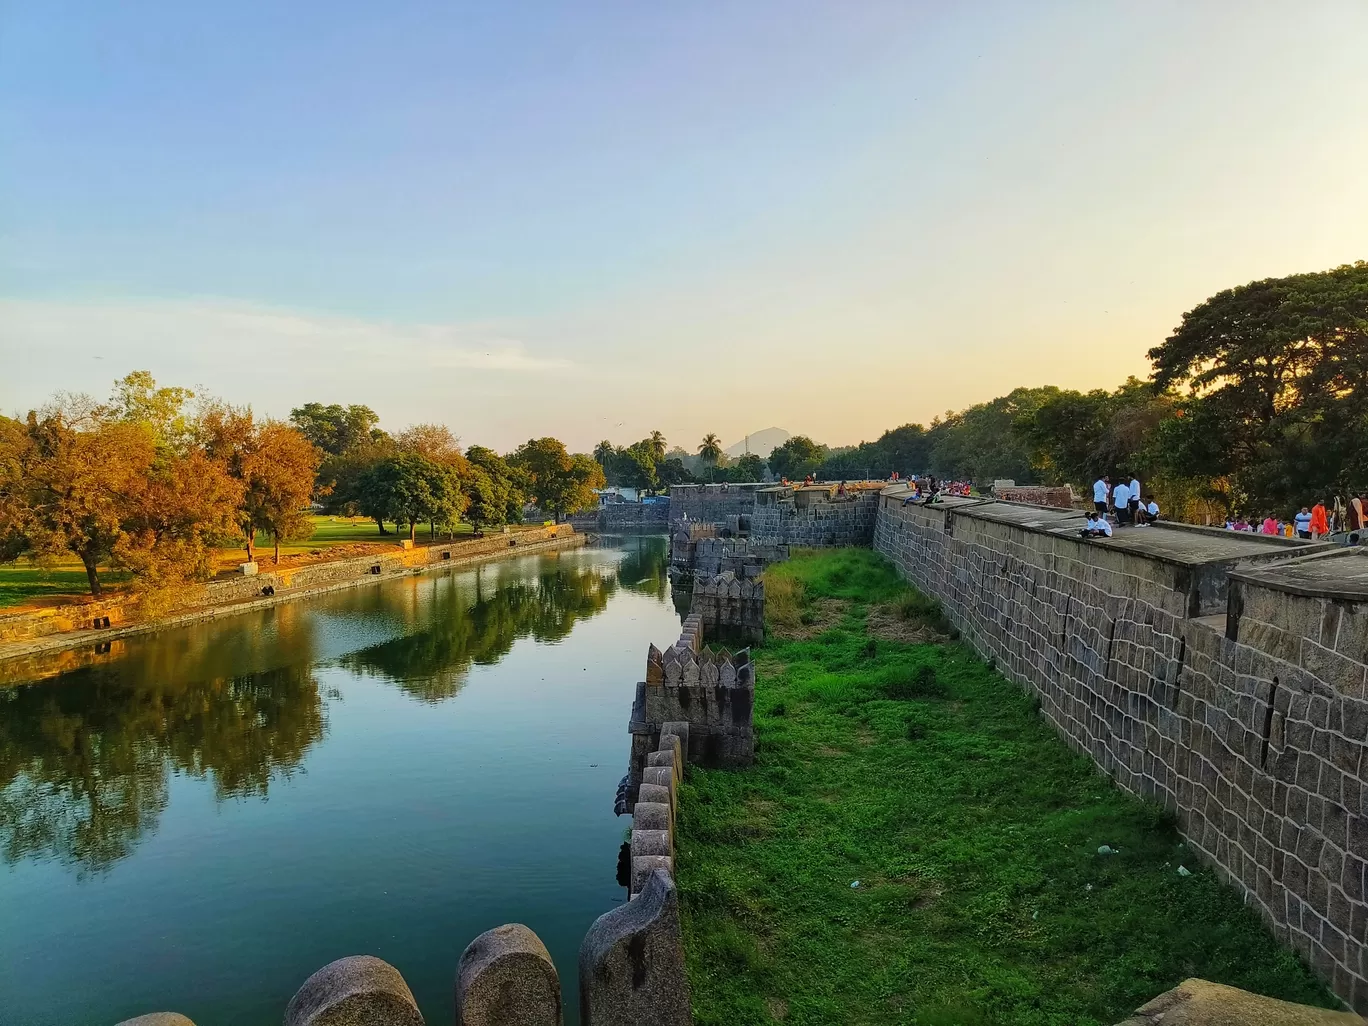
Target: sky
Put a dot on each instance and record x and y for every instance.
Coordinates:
(594, 220)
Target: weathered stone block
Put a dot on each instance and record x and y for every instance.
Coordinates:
(631, 964)
(158, 1019)
(651, 816)
(360, 990)
(506, 978)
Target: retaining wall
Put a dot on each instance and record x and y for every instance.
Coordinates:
(1217, 674)
(231, 593)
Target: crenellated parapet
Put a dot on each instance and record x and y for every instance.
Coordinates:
(731, 605)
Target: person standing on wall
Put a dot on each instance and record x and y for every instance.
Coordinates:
(1100, 489)
(1121, 500)
(1356, 512)
(1134, 498)
(1320, 523)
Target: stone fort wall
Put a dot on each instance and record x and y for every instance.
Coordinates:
(1223, 680)
(712, 503)
(844, 521)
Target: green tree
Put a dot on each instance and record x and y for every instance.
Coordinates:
(798, 457)
(1276, 380)
(411, 489)
(337, 429)
(710, 451)
(656, 446)
(505, 476)
(488, 498)
(749, 467)
(558, 482)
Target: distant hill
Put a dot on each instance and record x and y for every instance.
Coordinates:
(762, 443)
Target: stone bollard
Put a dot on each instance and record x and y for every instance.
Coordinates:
(651, 816)
(642, 868)
(680, 729)
(360, 990)
(668, 759)
(506, 979)
(631, 964)
(656, 793)
(158, 1019)
(652, 842)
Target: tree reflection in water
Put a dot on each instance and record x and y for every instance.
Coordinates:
(85, 758)
(461, 629)
(84, 763)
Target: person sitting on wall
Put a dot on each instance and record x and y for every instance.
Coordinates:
(1096, 527)
(1150, 510)
(841, 490)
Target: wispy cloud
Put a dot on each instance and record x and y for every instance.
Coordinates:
(216, 330)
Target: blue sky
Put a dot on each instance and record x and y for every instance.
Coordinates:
(596, 219)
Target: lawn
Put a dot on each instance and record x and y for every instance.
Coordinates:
(23, 581)
(985, 893)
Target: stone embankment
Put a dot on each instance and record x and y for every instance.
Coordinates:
(1222, 675)
(625, 518)
(69, 626)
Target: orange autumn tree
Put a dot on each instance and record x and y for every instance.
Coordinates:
(275, 465)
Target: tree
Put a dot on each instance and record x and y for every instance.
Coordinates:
(656, 446)
(558, 482)
(94, 481)
(510, 481)
(711, 449)
(488, 498)
(798, 457)
(672, 472)
(281, 482)
(749, 467)
(408, 488)
(604, 453)
(138, 400)
(337, 429)
(1276, 376)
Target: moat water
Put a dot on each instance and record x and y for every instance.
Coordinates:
(203, 817)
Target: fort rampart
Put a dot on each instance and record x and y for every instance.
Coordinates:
(1220, 675)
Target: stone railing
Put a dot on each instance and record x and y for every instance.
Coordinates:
(631, 970)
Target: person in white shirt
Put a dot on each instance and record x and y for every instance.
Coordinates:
(1134, 498)
(1121, 500)
(1151, 511)
(1096, 527)
(1100, 489)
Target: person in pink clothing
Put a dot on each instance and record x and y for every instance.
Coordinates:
(1270, 526)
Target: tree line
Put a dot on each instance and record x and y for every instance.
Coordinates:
(153, 480)
(1257, 402)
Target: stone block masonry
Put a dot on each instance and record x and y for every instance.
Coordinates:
(847, 520)
(711, 503)
(731, 606)
(1221, 675)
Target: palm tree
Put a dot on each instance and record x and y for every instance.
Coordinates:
(711, 449)
(657, 441)
(603, 452)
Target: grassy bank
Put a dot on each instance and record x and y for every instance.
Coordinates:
(24, 581)
(893, 756)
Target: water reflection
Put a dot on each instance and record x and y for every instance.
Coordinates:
(86, 756)
(85, 762)
(431, 665)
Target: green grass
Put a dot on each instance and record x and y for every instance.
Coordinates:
(974, 833)
(22, 581)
